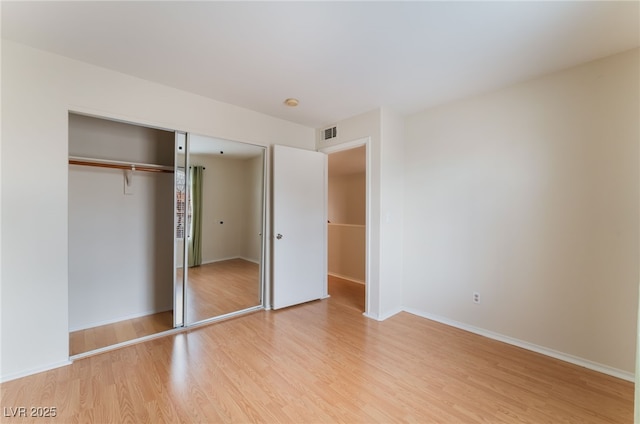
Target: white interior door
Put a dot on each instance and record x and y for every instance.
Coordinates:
(299, 226)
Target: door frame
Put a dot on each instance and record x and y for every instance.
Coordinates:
(366, 142)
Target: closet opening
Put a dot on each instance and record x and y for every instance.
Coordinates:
(347, 212)
(121, 232)
(165, 231)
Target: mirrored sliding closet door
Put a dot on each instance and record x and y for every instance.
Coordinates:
(165, 231)
(223, 271)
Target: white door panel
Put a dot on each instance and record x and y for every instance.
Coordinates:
(299, 226)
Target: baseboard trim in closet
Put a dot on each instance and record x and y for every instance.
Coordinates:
(119, 319)
(344, 277)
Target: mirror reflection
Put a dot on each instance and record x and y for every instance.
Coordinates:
(225, 225)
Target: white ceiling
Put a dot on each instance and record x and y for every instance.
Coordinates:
(338, 58)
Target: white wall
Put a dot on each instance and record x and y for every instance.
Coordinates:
(38, 90)
(347, 251)
(222, 201)
(254, 187)
(231, 192)
(529, 196)
(392, 200)
(347, 199)
(120, 246)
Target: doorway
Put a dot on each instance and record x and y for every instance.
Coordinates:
(347, 226)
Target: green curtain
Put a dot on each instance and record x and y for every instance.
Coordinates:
(195, 234)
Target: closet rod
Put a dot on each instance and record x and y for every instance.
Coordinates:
(119, 165)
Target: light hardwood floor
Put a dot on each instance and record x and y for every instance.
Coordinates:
(347, 293)
(214, 289)
(323, 362)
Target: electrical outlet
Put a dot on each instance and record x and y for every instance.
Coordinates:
(476, 297)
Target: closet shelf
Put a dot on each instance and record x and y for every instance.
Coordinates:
(104, 163)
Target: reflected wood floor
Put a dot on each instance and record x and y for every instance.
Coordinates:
(323, 361)
(214, 289)
(222, 287)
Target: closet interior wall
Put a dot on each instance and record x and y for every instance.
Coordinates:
(346, 227)
(120, 245)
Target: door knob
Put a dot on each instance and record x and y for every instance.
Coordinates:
(279, 236)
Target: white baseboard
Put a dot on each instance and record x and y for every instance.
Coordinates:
(605, 369)
(249, 260)
(229, 259)
(390, 313)
(370, 316)
(384, 316)
(9, 377)
(212, 261)
(118, 319)
(344, 277)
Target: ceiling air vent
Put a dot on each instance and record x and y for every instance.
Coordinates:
(329, 133)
